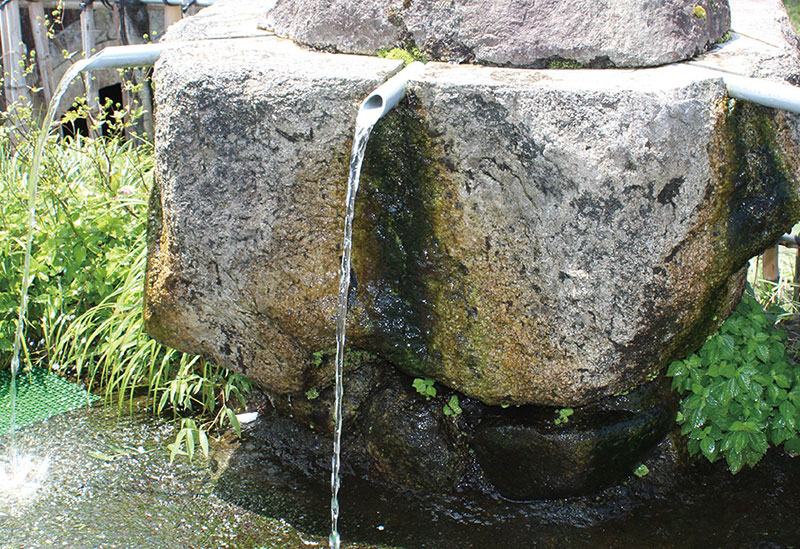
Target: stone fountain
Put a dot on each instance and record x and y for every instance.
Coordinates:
(562, 207)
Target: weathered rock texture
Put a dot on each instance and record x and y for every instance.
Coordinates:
(395, 435)
(519, 33)
(545, 237)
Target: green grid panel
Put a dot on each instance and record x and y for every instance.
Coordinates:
(40, 395)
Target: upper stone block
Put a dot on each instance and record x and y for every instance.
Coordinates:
(515, 33)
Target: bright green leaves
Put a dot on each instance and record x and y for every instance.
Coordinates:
(562, 415)
(741, 392)
(189, 437)
(453, 407)
(641, 470)
(709, 448)
(425, 387)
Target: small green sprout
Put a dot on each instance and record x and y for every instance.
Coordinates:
(562, 415)
(453, 407)
(641, 470)
(424, 386)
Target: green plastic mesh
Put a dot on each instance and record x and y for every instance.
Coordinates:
(40, 395)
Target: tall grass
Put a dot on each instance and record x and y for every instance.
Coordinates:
(88, 268)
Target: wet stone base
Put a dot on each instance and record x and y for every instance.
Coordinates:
(677, 504)
(434, 444)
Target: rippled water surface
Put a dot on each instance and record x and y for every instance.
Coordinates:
(110, 484)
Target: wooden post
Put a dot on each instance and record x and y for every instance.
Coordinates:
(38, 28)
(171, 15)
(13, 53)
(796, 292)
(88, 42)
(771, 270)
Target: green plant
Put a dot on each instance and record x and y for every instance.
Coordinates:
(725, 37)
(564, 64)
(407, 55)
(742, 391)
(312, 393)
(424, 386)
(88, 263)
(641, 470)
(562, 415)
(699, 12)
(453, 407)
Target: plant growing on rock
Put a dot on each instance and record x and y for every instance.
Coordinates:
(453, 407)
(741, 391)
(425, 387)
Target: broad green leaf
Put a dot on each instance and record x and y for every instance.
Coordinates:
(793, 446)
(708, 447)
(762, 352)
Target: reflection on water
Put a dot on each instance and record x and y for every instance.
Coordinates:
(110, 484)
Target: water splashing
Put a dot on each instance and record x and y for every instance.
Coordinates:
(21, 475)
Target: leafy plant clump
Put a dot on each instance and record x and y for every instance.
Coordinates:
(562, 415)
(87, 268)
(742, 391)
(453, 407)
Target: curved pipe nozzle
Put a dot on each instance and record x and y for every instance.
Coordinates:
(121, 57)
(387, 95)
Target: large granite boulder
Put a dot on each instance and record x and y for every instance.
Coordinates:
(518, 33)
(522, 236)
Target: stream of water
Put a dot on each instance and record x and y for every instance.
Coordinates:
(364, 125)
(21, 474)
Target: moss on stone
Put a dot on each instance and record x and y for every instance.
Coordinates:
(754, 202)
(560, 63)
(406, 55)
(422, 292)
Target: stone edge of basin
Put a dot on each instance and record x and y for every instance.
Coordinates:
(524, 34)
(762, 44)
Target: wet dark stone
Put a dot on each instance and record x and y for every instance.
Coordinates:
(408, 439)
(392, 433)
(398, 437)
(526, 455)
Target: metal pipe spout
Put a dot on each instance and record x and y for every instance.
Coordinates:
(121, 57)
(387, 95)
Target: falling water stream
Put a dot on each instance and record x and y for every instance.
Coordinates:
(21, 474)
(364, 125)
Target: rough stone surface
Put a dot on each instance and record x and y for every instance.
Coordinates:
(224, 19)
(233, 239)
(519, 33)
(522, 236)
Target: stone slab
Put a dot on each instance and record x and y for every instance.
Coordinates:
(523, 236)
(518, 33)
